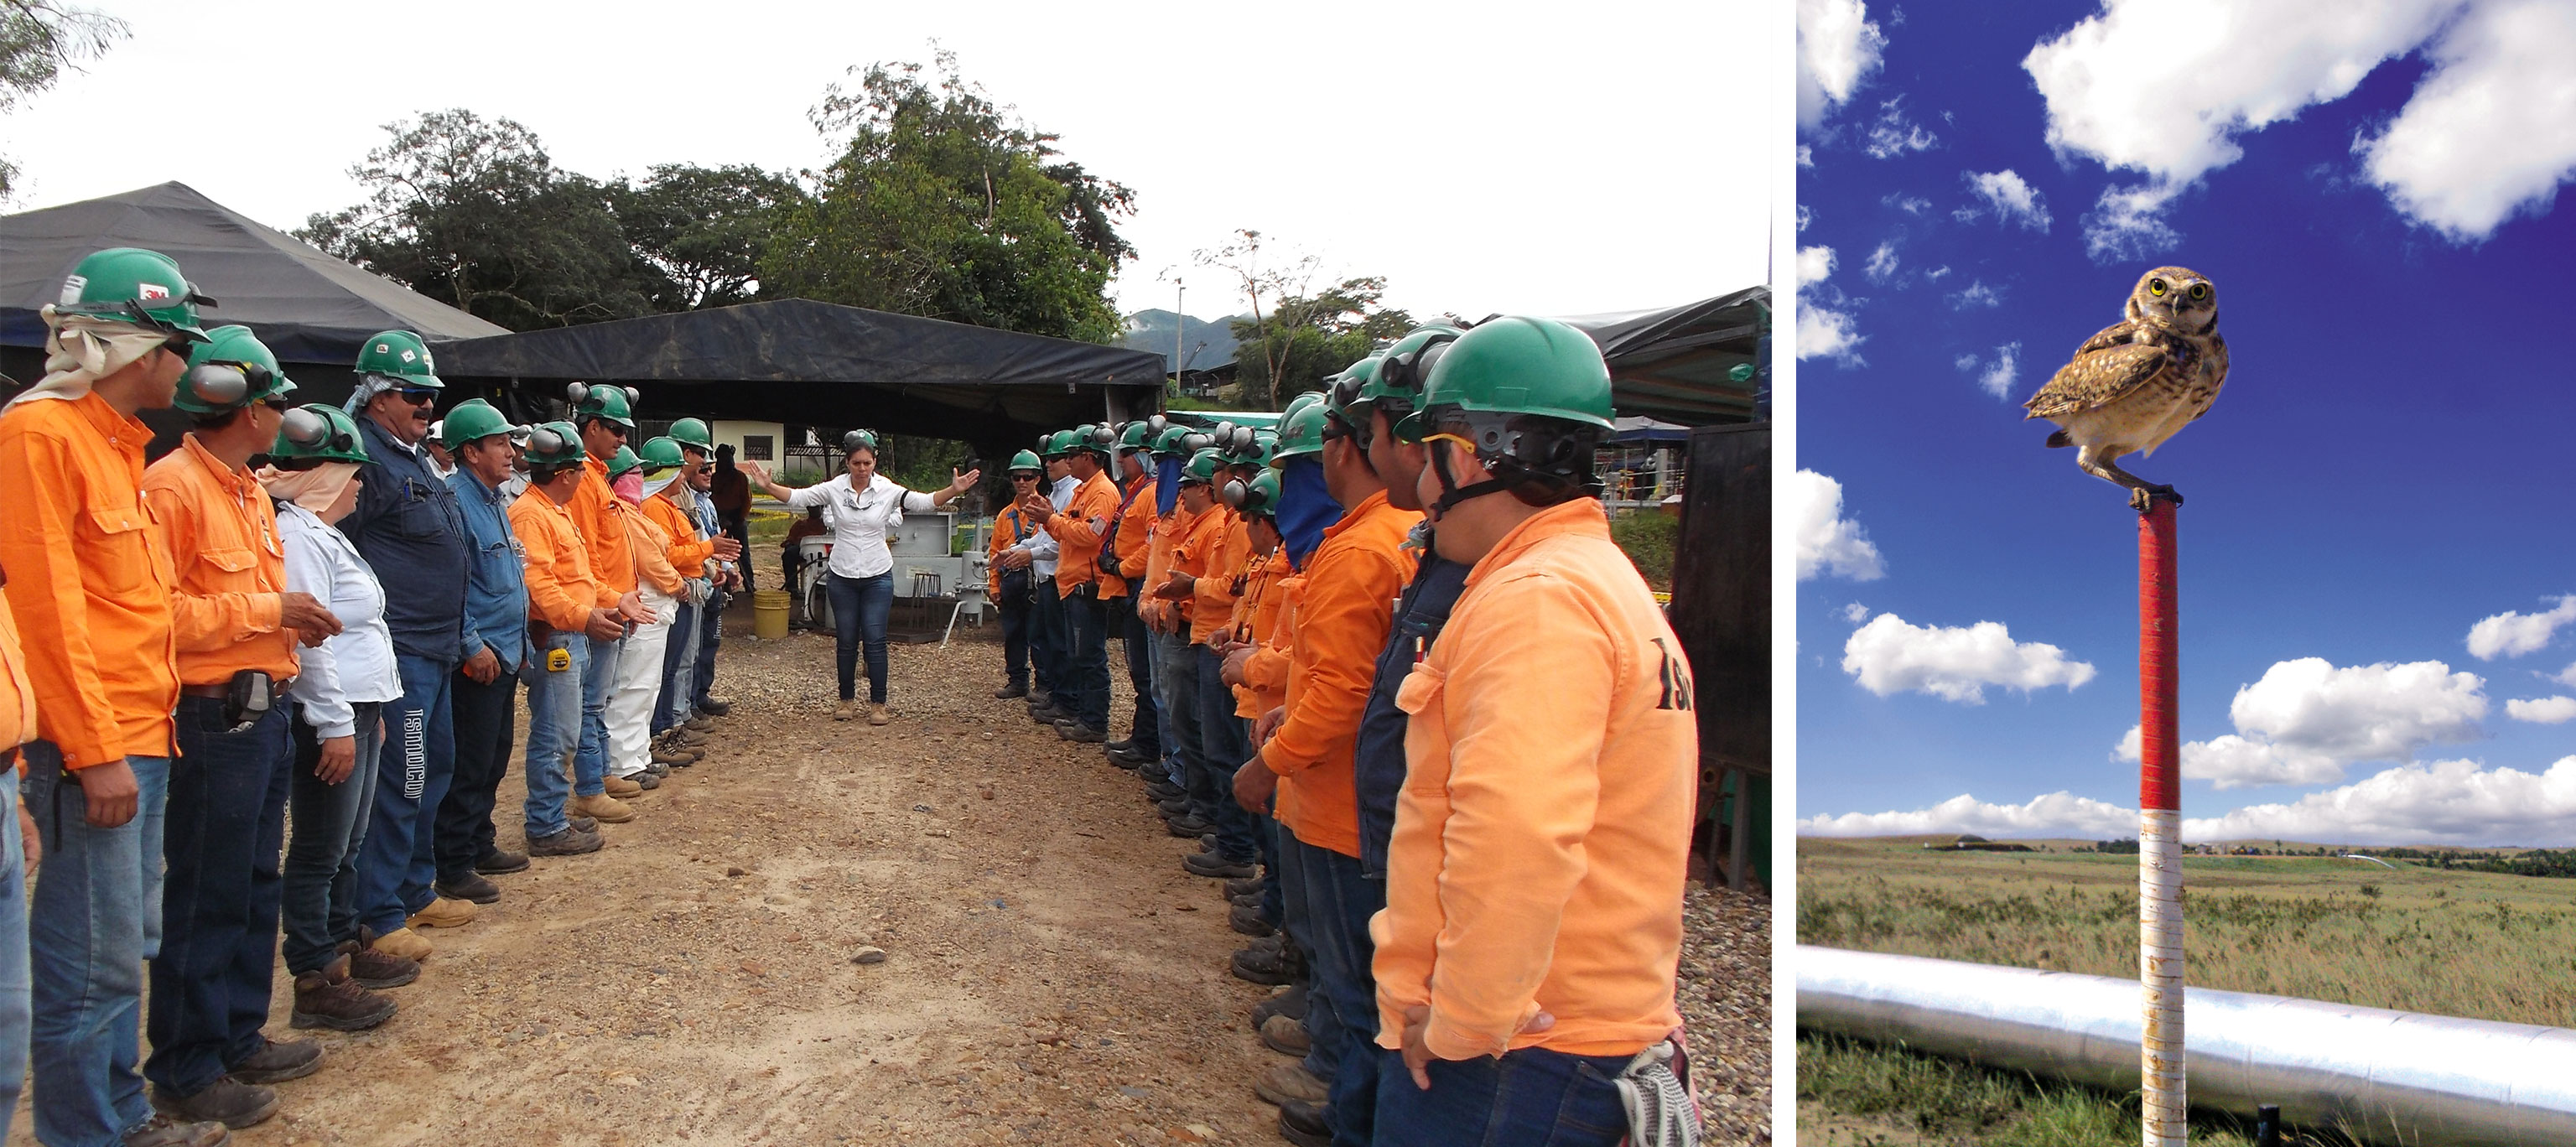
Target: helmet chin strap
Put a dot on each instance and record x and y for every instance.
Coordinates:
(1451, 493)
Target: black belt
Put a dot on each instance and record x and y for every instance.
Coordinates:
(223, 690)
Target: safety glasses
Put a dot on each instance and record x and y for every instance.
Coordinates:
(416, 395)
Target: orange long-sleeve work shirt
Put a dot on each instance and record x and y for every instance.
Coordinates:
(1216, 550)
(1544, 824)
(17, 693)
(1078, 532)
(1135, 533)
(650, 551)
(561, 588)
(1009, 529)
(594, 510)
(1168, 529)
(222, 535)
(1257, 621)
(89, 580)
(687, 553)
(1348, 602)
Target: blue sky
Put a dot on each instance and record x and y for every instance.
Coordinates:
(2376, 548)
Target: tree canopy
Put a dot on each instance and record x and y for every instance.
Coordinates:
(38, 39)
(1307, 339)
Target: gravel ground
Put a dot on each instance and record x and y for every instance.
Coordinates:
(1052, 974)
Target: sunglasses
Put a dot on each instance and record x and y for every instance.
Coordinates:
(417, 395)
(277, 403)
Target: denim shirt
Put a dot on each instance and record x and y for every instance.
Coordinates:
(1378, 757)
(496, 587)
(407, 527)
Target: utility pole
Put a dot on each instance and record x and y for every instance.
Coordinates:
(2163, 1100)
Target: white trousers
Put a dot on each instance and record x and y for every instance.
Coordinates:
(639, 683)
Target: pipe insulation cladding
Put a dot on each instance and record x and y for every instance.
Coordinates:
(2383, 1076)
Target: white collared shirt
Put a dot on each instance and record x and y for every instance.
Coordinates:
(358, 665)
(860, 520)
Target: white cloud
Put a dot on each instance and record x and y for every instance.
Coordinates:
(1939, 273)
(1977, 294)
(2057, 814)
(2567, 676)
(2492, 131)
(1838, 47)
(2306, 719)
(2008, 197)
(2543, 710)
(1882, 264)
(1829, 544)
(1826, 328)
(1855, 613)
(1893, 135)
(2511, 634)
(1910, 204)
(1955, 664)
(1994, 376)
(2127, 224)
(2446, 802)
(1806, 156)
(2132, 747)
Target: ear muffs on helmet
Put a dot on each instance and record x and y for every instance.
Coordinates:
(1194, 443)
(1411, 371)
(545, 442)
(225, 383)
(311, 431)
(1233, 492)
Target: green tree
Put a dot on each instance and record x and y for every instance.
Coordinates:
(942, 204)
(38, 39)
(703, 228)
(1307, 339)
(474, 214)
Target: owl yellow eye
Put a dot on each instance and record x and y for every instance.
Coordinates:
(2155, 286)
(2199, 291)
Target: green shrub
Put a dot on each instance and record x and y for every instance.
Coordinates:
(1648, 539)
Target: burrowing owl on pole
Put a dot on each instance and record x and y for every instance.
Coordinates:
(2132, 386)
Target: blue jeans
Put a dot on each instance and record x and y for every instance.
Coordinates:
(1087, 621)
(1146, 730)
(679, 666)
(702, 677)
(96, 917)
(1014, 606)
(1528, 1098)
(1225, 744)
(15, 1012)
(395, 862)
(554, 730)
(598, 680)
(1329, 906)
(219, 900)
(320, 906)
(484, 724)
(1047, 638)
(1176, 673)
(859, 609)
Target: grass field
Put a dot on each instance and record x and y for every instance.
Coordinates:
(2457, 943)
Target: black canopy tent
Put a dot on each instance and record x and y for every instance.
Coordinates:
(312, 309)
(800, 361)
(1681, 364)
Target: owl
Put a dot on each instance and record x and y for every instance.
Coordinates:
(2137, 382)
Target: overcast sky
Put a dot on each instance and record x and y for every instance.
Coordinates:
(1498, 163)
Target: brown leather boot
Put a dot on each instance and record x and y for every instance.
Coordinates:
(373, 968)
(328, 998)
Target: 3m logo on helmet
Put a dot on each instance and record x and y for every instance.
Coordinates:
(147, 292)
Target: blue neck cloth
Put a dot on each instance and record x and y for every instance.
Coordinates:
(1305, 508)
(1167, 486)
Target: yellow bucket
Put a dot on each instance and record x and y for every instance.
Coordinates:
(769, 614)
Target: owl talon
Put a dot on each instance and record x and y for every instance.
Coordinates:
(2143, 498)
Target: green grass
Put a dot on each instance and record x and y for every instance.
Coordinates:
(1648, 539)
(1933, 1100)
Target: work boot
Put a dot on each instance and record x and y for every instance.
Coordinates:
(1080, 733)
(582, 824)
(1173, 806)
(227, 1101)
(686, 737)
(369, 968)
(162, 1131)
(501, 862)
(569, 842)
(699, 724)
(1215, 864)
(1261, 964)
(844, 710)
(444, 912)
(1305, 1124)
(715, 708)
(1007, 692)
(328, 998)
(878, 714)
(1248, 920)
(660, 772)
(603, 808)
(276, 1062)
(1242, 886)
(644, 782)
(1286, 1036)
(672, 758)
(1290, 1081)
(1163, 790)
(470, 887)
(1247, 900)
(1290, 1003)
(402, 943)
(1049, 714)
(1186, 825)
(620, 787)
(1039, 698)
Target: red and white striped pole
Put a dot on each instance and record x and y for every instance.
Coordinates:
(2162, 1098)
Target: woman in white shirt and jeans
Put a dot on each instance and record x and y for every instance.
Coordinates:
(862, 506)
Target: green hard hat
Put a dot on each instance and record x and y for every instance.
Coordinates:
(693, 432)
(554, 443)
(1343, 393)
(1100, 439)
(401, 356)
(1059, 444)
(230, 370)
(624, 460)
(1202, 466)
(130, 284)
(318, 432)
(1141, 433)
(1027, 460)
(1301, 433)
(1256, 498)
(470, 420)
(1515, 366)
(1265, 445)
(1168, 443)
(613, 404)
(1396, 381)
(663, 454)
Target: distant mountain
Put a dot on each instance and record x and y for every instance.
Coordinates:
(1152, 331)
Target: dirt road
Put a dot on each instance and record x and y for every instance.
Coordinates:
(1052, 976)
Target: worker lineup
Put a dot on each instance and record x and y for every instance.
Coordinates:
(1422, 716)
